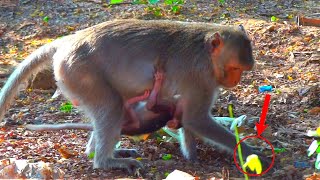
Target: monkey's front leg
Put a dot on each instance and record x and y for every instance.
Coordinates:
(105, 107)
(188, 144)
(197, 120)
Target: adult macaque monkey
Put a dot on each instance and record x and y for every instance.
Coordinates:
(105, 65)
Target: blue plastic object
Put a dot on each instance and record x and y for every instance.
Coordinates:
(301, 164)
(265, 88)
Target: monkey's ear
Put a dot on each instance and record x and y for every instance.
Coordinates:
(216, 41)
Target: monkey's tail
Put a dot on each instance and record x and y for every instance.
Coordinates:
(31, 65)
(57, 127)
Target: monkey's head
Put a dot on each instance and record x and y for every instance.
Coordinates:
(231, 55)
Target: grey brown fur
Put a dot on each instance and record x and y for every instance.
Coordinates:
(104, 65)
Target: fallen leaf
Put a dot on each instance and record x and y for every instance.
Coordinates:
(65, 153)
(314, 111)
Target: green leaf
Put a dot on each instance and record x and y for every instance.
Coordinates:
(274, 19)
(45, 19)
(318, 150)
(66, 107)
(317, 163)
(279, 150)
(115, 1)
(159, 140)
(157, 12)
(153, 1)
(221, 1)
(140, 2)
(166, 174)
(175, 9)
(91, 155)
(167, 157)
(168, 2)
(180, 2)
(225, 15)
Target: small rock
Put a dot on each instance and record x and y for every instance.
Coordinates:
(38, 120)
(24, 110)
(303, 91)
(304, 100)
(176, 174)
(292, 116)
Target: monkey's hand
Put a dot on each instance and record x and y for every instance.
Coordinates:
(136, 99)
(173, 124)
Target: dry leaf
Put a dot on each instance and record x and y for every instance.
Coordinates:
(65, 153)
(314, 111)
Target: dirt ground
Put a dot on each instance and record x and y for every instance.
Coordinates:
(287, 57)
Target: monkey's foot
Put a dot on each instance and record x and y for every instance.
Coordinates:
(133, 166)
(90, 147)
(124, 153)
(173, 124)
(158, 77)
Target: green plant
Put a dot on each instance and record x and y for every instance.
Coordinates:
(173, 5)
(66, 107)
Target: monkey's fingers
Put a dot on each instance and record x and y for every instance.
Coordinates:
(139, 172)
(133, 166)
(158, 76)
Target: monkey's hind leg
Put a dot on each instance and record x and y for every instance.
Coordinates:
(107, 126)
(188, 144)
(105, 108)
(90, 145)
